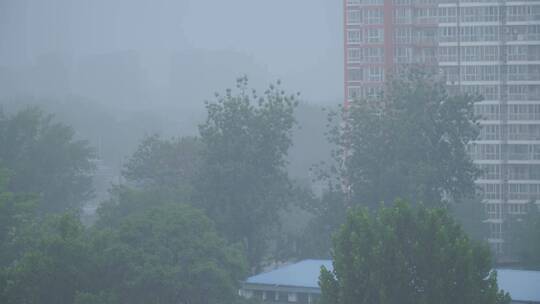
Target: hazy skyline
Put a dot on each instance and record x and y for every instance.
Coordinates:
(298, 41)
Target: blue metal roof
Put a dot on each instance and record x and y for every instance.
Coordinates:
(521, 284)
(302, 274)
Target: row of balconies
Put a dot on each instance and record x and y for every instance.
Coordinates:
(395, 2)
(495, 2)
(511, 117)
(489, 38)
(489, 78)
(528, 156)
(532, 56)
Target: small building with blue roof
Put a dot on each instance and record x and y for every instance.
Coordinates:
(299, 283)
(295, 283)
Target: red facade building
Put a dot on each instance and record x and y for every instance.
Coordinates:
(380, 36)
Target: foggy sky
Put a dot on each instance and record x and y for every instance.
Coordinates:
(298, 41)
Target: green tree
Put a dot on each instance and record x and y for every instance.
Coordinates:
(164, 253)
(243, 183)
(164, 164)
(402, 255)
(408, 143)
(329, 213)
(524, 237)
(157, 252)
(16, 212)
(53, 266)
(45, 159)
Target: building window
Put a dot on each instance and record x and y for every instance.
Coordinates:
(292, 297)
(518, 72)
(403, 35)
(375, 35)
(492, 191)
(355, 93)
(354, 37)
(447, 14)
(376, 74)
(356, 74)
(374, 16)
(403, 15)
(354, 17)
(354, 55)
(248, 294)
(447, 53)
(448, 34)
(487, 111)
(490, 132)
(403, 54)
(491, 171)
(374, 54)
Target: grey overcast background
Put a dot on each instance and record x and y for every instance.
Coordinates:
(135, 53)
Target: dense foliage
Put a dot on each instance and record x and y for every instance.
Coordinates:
(402, 255)
(164, 164)
(243, 183)
(197, 214)
(408, 143)
(158, 253)
(45, 159)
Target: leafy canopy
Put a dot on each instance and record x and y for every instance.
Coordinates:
(164, 164)
(243, 183)
(409, 143)
(157, 252)
(45, 159)
(403, 255)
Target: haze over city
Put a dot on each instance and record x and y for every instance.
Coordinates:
(212, 42)
(270, 151)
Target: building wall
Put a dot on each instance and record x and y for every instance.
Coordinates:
(276, 295)
(382, 35)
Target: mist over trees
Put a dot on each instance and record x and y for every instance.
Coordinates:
(133, 169)
(196, 214)
(409, 143)
(44, 158)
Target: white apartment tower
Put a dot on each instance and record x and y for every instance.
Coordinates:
(492, 47)
(489, 47)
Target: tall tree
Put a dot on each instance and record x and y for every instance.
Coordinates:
(45, 159)
(166, 252)
(162, 163)
(329, 213)
(409, 143)
(16, 212)
(53, 266)
(401, 255)
(243, 182)
(159, 252)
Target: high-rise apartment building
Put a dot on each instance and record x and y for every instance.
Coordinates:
(381, 35)
(489, 47)
(493, 48)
